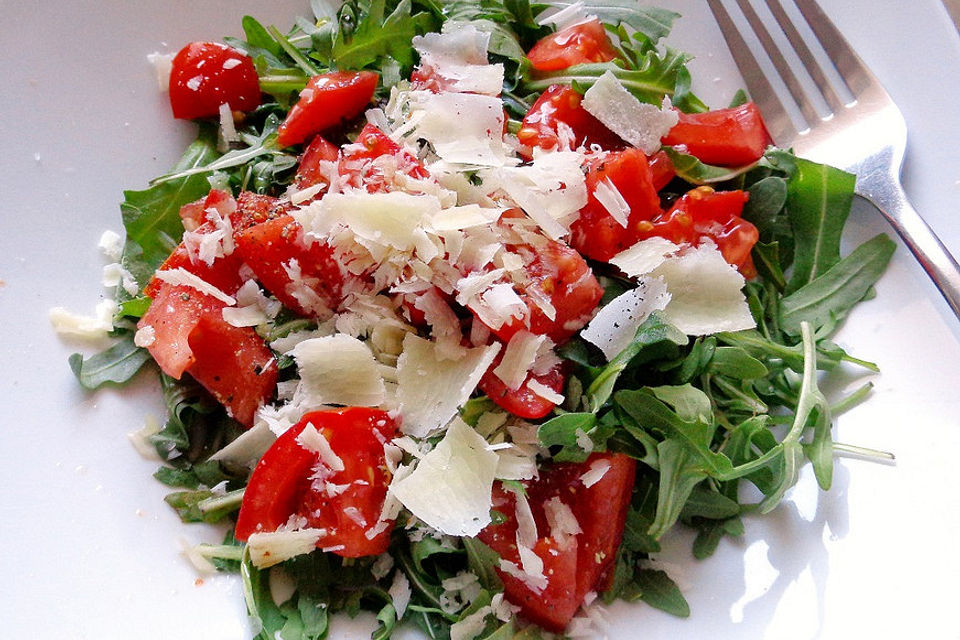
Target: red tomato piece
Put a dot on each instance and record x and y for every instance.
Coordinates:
(600, 511)
(309, 171)
(206, 75)
(275, 249)
(346, 504)
(194, 214)
(577, 44)
(562, 275)
(359, 166)
(726, 137)
(597, 234)
(234, 364)
(522, 402)
(557, 119)
(254, 208)
(705, 213)
(327, 100)
(661, 170)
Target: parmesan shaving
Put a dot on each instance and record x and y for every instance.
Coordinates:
(640, 124)
(180, 277)
(271, 548)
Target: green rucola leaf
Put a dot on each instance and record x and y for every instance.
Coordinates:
(115, 365)
(818, 202)
(830, 297)
(658, 590)
(694, 171)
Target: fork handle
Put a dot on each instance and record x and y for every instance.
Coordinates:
(930, 252)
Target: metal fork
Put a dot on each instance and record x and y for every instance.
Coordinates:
(867, 136)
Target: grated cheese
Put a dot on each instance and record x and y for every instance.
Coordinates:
(640, 124)
(337, 369)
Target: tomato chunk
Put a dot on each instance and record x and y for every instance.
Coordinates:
(574, 563)
(596, 233)
(310, 170)
(359, 166)
(302, 274)
(726, 137)
(705, 213)
(206, 75)
(576, 44)
(561, 275)
(327, 100)
(232, 363)
(344, 498)
(522, 402)
(557, 120)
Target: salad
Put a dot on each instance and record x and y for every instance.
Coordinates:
(459, 308)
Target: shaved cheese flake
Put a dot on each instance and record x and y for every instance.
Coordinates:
(459, 56)
(595, 473)
(544, 391)
(463, 128)
(180, 277)
(338, 369)
(400, 592)
(111, 244)
(162, 66)
(388, 219)
(451, 487)
(518, 358)
(526, 525)
(644, 256)
(470, 626)
(464, 217)
(640, 124)
(270, 548)
(140, 439)
(616, 324)
(431, 389)
(66, 323)
(612, 200)
(563, 523)
(498, 305)
(192, 553)
(572, 14)
(532, 569)
(705, 292)
(315, 442)
(248, 448)
(514, 464)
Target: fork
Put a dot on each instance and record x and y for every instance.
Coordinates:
(867, 136)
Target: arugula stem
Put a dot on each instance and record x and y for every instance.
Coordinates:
(852, 400)
(853, 451)
(293, 51)
(227, 502)
(220, 551)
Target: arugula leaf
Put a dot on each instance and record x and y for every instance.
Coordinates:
(116, 365)
(659, 591)
(152, 216)
(377, 36)
(831, 296)
(692, 170)
(818, 202)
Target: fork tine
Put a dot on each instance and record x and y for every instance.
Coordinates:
(854, 73)
(776, 56)
(806, 56)
(778, 121)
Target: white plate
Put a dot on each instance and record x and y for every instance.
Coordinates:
(91, 551)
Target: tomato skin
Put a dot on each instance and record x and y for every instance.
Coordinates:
(309, 171)
(662, 170)
(327, 100)
(206, 75)
(522, 402)
(268, 249)
(596, 234)
(705, 213)
(357, 166)
(559, 107)
(577, 44)
(282, 485)
(234, 364)
(564, 276)
(725, 137)
(583, 561)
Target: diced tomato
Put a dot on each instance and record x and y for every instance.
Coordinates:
(275, 248)
(193, 214)
(577, 44)
(293, 480)
(359, 166)
(557, 119)
(705, 213)
(562, 275)
(232, 363)
(309, 171)
(597, 234)
(522, 402)
(327, 100)
(661, 170)
(726, 137)
(573, 564)
(254, 208)
(206, 75)
(223, 273)
(173, 314)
